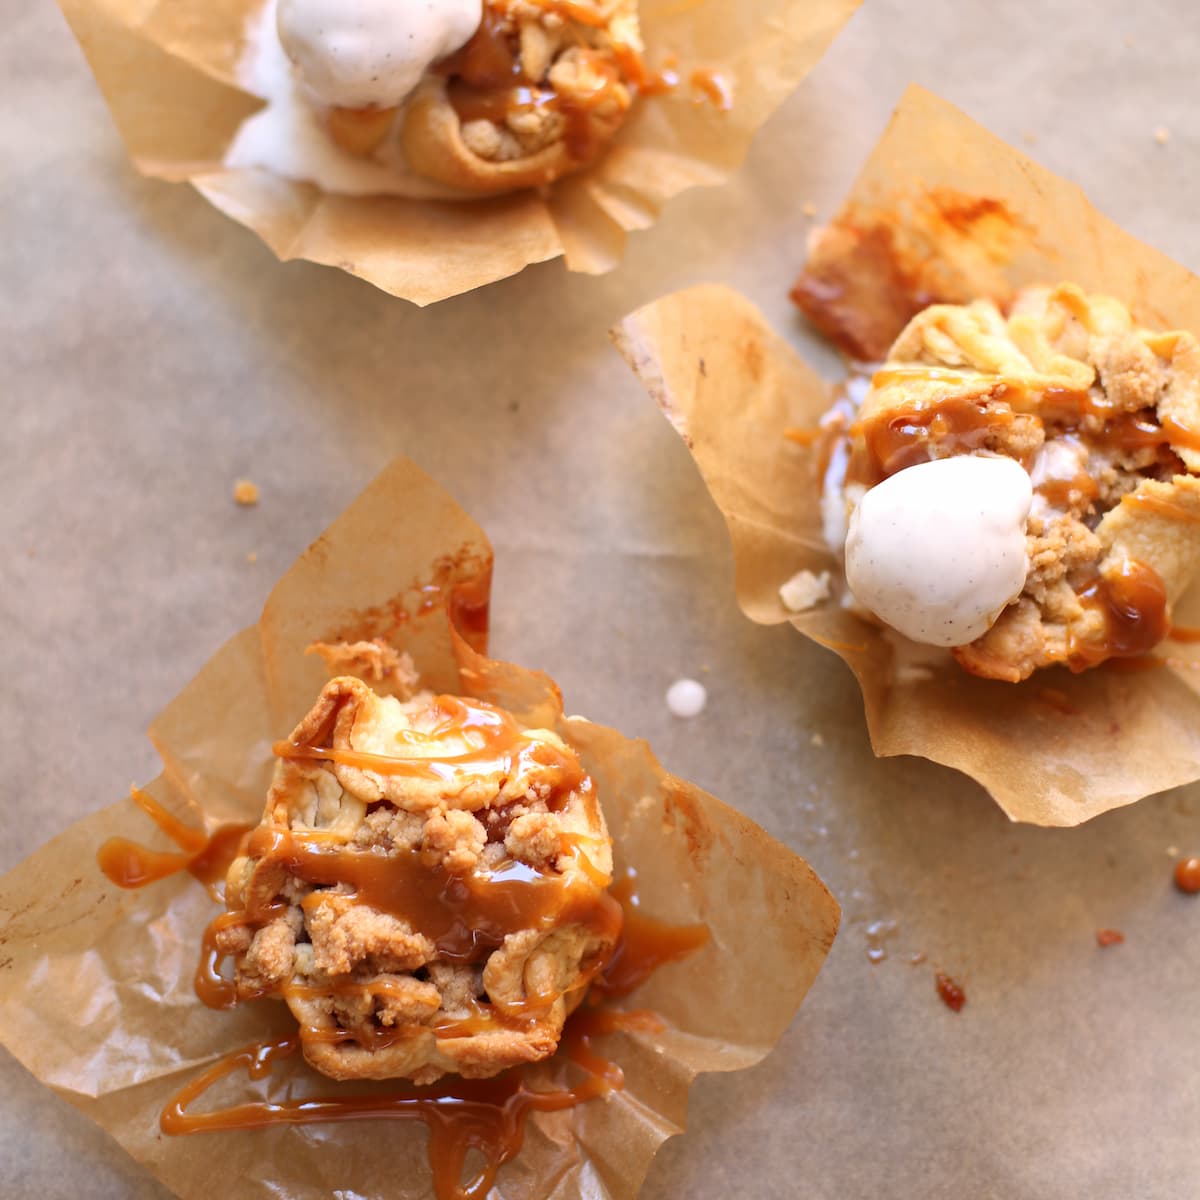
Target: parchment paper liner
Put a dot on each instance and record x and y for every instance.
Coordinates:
(168, 72)
(1059, 748)
(95, 983)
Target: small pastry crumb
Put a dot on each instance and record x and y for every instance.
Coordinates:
(804, 590)
(377, 661)
(251, 557)
(817, 740)
(1109, 937)
(809, 210)
(1162, 135)
(1029, 137)
(245, 492)
(686, 698)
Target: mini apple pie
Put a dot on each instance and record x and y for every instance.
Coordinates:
(480, 97)
(426, 890)
(1022, 488)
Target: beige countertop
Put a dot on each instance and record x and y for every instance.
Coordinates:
(155, 352)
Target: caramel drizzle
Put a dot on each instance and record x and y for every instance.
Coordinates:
(487, 79)
(129, 864)
(1160, 507)
(645, 944)
(804, 436)
(486, 1115)
(1133, 603)
(895, 439)
(495, 743)
(892, 441)
(464, 916)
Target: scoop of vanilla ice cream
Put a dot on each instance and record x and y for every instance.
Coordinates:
(371, 53)
(937, 551)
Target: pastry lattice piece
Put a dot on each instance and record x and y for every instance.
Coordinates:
(427, 887)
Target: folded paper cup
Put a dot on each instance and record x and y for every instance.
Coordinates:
(169, 74)
(96, 994)
(943, 210)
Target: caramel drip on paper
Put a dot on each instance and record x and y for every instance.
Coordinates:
(129, 864)
(461, 1115)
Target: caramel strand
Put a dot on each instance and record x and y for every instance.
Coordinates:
(129, 864)
(1133, 603)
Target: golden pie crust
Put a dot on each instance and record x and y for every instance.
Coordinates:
(375, 992)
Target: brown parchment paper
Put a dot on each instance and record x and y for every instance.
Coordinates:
(958, 214)
(96, 983)
(169, 74)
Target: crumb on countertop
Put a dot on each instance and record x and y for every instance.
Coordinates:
(1162, 135)
(245, 492)
(809, 210)
(251, 556)
(1109, 937)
